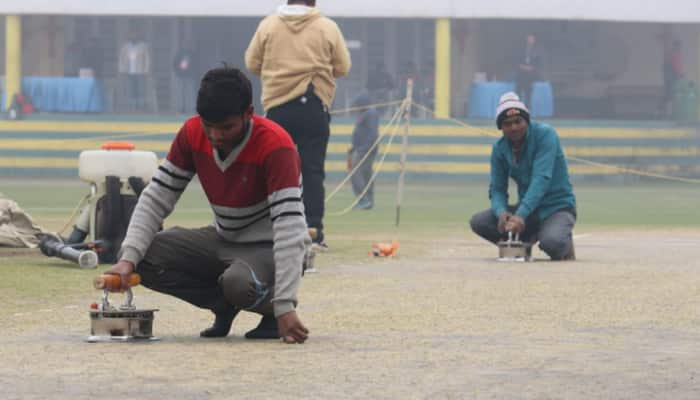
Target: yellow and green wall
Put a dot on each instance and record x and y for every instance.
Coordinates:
(50, 148)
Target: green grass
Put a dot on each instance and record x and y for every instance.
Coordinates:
(432, 208)
(436, 211)
(28, 281)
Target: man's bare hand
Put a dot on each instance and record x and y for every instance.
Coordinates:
(502, 220)
(515, 224)
(123, 268)
(290, 328)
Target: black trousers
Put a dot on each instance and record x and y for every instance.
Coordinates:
(523, 87)
(308, 122)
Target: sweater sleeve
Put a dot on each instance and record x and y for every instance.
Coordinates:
(255, 51)
(158, 199)
(341, 56)
(542, 170)
(498, 187)
(289, 230)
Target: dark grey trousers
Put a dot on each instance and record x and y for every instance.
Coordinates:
(197, 266)
(554, 233)
(363, 175)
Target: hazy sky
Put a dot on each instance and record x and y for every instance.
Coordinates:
(622, 10)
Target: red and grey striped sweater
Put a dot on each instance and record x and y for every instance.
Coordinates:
(255, 194)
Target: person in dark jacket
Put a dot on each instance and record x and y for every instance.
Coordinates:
(363, 151)
(185, 91)
(528, 70)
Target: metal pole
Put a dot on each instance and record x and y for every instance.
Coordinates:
(408, 101)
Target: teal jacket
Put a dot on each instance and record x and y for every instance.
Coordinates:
(542, 175)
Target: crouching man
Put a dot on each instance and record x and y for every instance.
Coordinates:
(251, 257)
(530, 153)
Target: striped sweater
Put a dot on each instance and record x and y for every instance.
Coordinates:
(255, 194)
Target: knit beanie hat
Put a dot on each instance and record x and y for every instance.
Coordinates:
(510, 105)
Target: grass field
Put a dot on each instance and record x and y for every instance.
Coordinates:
(435, 208)
(440, 320)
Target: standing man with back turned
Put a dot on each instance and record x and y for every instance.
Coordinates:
(531, 154)
(298, 54)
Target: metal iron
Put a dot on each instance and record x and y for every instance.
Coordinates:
(125, 323)
(309, 264)
(514, 250)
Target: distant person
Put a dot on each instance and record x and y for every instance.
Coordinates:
(185, 92)
(71, 60)
(530, 153)
(427, 88)
(364, 135)
(528, 69)
(135, 65)
(93, 57)
(298, 54)
(380, 84)
(251, 258)
(673, 72)
(93, 60)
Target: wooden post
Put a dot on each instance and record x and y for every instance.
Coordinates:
(408, 101)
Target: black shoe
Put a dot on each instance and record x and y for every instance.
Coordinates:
(571, 255)
(319, 247)
(266, 329)
(222, 324)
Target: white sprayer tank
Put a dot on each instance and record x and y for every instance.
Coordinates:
(95, 165)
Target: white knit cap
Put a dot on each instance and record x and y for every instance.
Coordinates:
(510, 101)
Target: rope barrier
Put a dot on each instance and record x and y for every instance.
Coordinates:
(393, 124)
(635, 172)
(624, 170)
(142, 134)
(377, 170)
(77, 208)
(359, 108)
(381, 136)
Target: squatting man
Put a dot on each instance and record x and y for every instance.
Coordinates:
(530, 153)
(251, 257)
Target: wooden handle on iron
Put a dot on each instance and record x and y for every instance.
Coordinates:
(313, 232)
(113, 282)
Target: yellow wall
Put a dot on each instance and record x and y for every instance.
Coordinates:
(442, 68)
(13, 57)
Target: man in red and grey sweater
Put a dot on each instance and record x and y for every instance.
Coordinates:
(251, 257)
